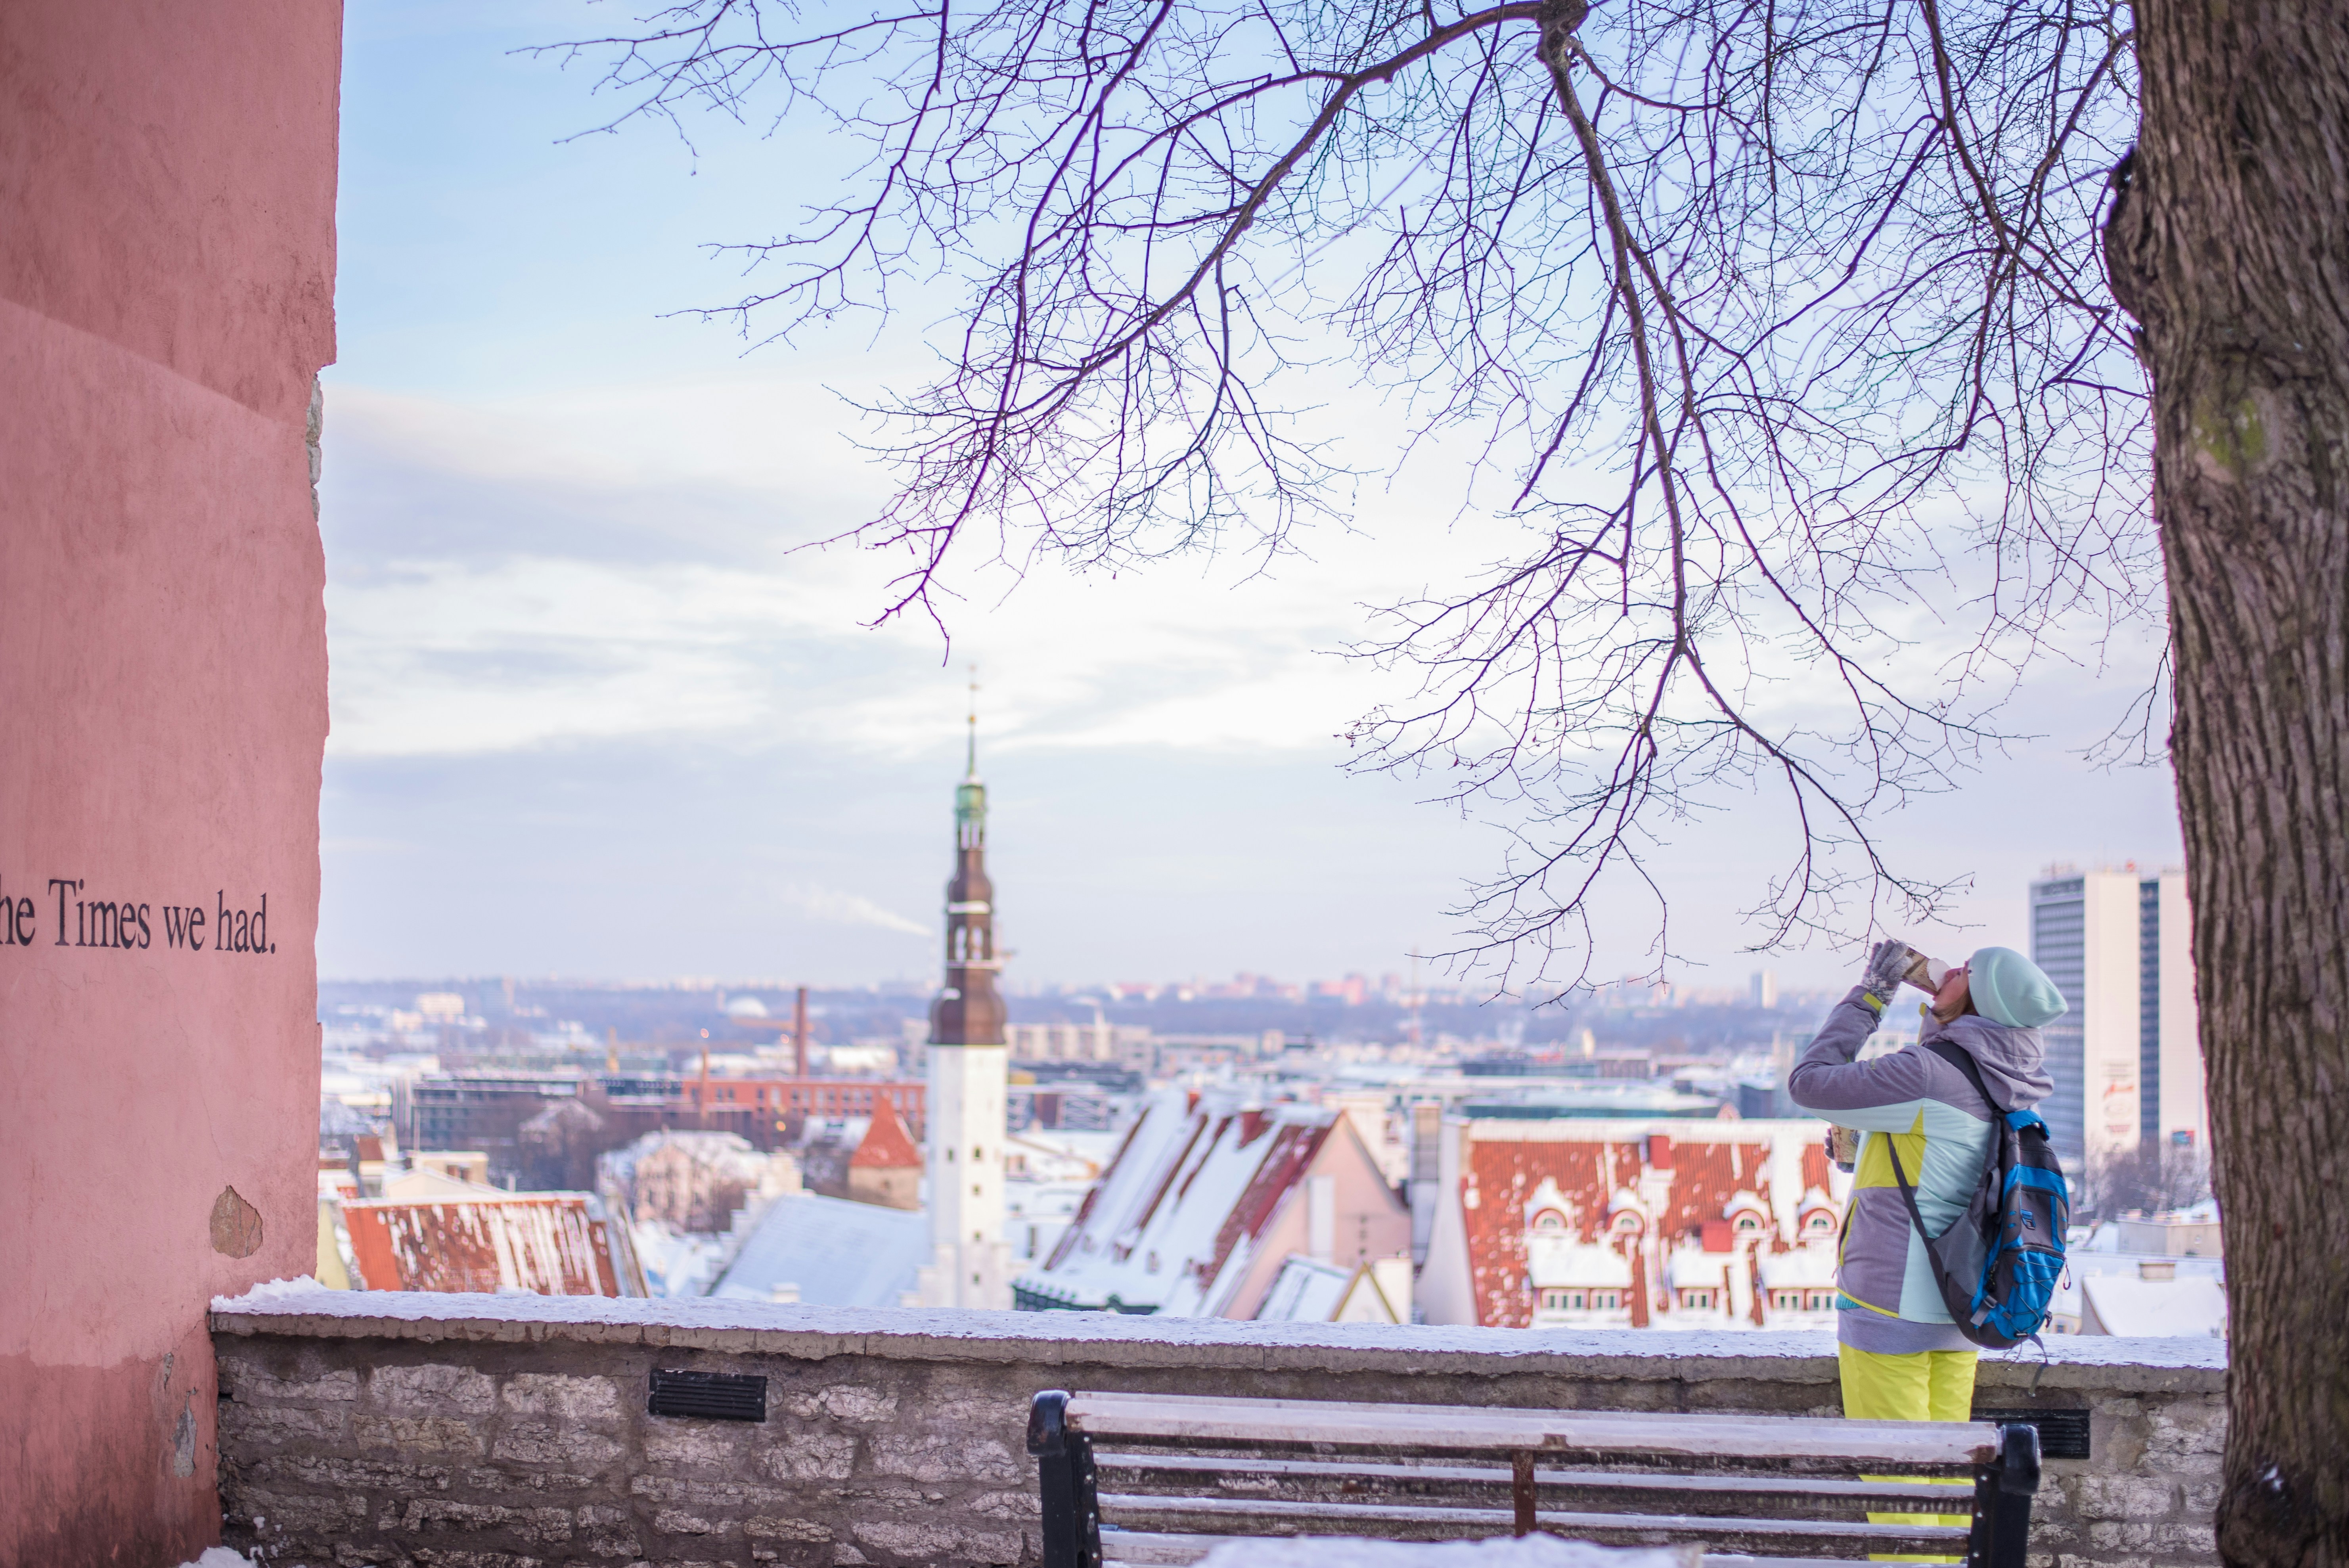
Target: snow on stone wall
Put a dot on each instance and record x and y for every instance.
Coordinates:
(407, 1427)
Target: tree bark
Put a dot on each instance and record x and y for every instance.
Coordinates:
(2230, 244)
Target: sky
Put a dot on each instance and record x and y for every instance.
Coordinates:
(602, 711)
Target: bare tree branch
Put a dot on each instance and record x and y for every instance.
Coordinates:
(1776, 319)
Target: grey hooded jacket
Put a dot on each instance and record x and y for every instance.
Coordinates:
(1911, 1100)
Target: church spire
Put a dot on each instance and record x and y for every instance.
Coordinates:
(972, 1264)
(970, 1011)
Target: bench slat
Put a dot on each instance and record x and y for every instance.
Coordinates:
(1162, 1474)
(1144, 1549)
(1393, 1522)
(1439, 1428)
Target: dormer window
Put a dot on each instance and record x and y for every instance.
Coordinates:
(1627, 1223)
(1549, 1220)
(1747, 1222)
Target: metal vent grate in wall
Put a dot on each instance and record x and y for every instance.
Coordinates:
(2062, 1434)
(711, 1395)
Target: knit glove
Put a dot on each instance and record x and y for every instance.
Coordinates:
(1888, 964)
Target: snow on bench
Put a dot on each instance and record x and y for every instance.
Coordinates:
(1130, 1478)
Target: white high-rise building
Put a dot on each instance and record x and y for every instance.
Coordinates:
(2125, 1058)
(972, 1266)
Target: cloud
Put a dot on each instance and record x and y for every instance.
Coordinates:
(835, 907)
(622, 564)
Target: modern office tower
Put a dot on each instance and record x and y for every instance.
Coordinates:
(2126, 1058)
(968, 1060)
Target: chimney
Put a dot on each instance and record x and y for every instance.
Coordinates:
(798, 1035)
(1717, 1236)
(1659, 1151)
(1321, 1217)
(1251, 1126)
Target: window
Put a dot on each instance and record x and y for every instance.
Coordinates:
(1549, 1220)
(1786, 1300)
(1626, 1222)
(1605, 1300)
(1748, 1222)
(1562, 1300)
(1697, 1300)
(1819, 1222)
(1821, 1301)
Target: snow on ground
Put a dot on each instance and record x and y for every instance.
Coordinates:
(221, 1556)
(1532, 1552)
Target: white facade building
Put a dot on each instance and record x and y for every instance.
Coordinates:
(2126, 1058)
(971, 1265)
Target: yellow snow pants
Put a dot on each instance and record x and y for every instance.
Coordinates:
(1929, 1386)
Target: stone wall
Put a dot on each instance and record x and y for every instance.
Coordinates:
(508, 1432)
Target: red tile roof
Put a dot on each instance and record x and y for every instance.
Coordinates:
(886, 1145)
(546, 1244)
(1503, 1174)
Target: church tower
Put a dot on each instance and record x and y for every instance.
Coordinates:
(973, 1262)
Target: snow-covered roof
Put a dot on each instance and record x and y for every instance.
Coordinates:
(1742, 1200)
(548, 1244)
(1693, 1267)
(413, 1185)
(838, 1252)
(1561, 1260)
(1181, 1206)
(1804, 1268)
(1679, 1177)
(2128, 1304)
(719, 1149)
(1304, 1291)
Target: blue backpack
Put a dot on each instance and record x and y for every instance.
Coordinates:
(1998, 1266)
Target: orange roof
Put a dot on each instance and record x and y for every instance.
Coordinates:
(888, 1145)
(1587, 1172)
(546, 1244)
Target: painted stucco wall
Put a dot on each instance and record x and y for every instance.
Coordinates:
(167, 189)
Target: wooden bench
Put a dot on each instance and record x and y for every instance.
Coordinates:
(1163, 1479)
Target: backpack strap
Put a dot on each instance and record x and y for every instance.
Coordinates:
(1962, 1059)
(1959, 1310)
(1958, 1056)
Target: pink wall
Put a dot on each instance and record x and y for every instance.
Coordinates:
(167, 188)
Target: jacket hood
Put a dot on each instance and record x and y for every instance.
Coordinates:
(2012, 1060)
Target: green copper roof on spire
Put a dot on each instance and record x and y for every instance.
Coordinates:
(971, 795)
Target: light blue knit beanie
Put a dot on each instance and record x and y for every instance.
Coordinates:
(2008, 988)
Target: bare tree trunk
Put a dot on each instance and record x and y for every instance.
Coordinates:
(2230, 245)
